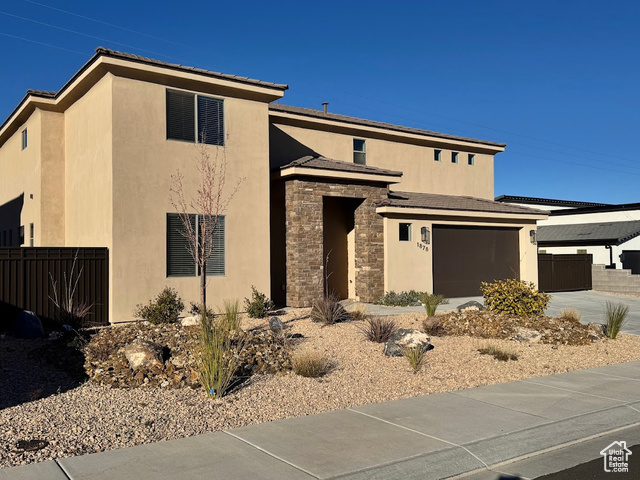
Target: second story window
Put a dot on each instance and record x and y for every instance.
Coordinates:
(195, 118)
(437, 155)
(472, 159)
(454, 157)
(24, 139)
(359, 152)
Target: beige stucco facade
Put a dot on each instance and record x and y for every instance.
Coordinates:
(98, 165)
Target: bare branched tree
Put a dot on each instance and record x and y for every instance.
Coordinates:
(209, 202)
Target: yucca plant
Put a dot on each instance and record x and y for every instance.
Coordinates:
(431, 301)
(415, 356)
(216, 361)
(616, 314)
(328, 310)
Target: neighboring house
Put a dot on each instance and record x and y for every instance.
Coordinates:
(383, 207)
(611, 233)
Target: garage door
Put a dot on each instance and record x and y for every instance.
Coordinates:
(463, 257)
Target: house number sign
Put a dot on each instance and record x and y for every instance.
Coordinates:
(422, 246)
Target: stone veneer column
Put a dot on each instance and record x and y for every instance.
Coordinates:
(304, 239)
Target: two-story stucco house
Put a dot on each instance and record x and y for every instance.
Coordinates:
(393, 208)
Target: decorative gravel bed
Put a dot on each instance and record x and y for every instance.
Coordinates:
(91, 417)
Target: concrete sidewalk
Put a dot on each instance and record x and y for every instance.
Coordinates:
(479, 431)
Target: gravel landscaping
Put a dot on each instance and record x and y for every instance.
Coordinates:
(84, 416)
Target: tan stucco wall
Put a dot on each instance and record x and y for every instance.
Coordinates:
(408, 267)
(20, 175)
(421, 172)
(52, 180)
(143, 162)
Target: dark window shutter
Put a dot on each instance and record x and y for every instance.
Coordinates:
(181, 116)
(216, 262)
(210, 120)
(180, 263)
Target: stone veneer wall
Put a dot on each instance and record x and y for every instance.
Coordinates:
(304, 239)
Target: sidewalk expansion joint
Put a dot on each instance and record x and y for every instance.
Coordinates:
(423, 434)
(55, 460)
(270, 454)
(622, 402)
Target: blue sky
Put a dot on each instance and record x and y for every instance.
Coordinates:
(559, 82)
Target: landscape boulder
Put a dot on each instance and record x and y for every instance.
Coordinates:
(276, 325)
(27, 325)
(143, 354)
(527, 335)
(472, 305)
(190, 321)
(406, 338)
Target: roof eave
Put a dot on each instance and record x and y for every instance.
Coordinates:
(387, 130)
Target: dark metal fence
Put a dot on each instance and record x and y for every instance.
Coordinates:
(562, 273)
(27, 276)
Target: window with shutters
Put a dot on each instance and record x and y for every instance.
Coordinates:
(180, 263)
(195, 118)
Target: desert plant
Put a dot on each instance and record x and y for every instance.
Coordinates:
(415, 356)
(570, 314)
(328, 310)
(230, 316)
(616, 314)
(259, 305)
(514, 297)
(68, 310)
(358, 313)
(310, 364)
(194, 310)
(431, 301)
(402, 299)
(165, 308)
(497, 352)
(379, 329)
(216, 361)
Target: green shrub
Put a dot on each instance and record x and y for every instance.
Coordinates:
(310, 364)
(415, 356)
(259, 305)
(616, 317)
(230, 316)
(514, 297)
(498, 353)
(194, 310)
(402, 299)
(165, 308)
(431, 301)
(328, 310)
(379, 329)
(216, 361)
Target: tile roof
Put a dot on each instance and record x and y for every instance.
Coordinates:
(546, 201)
(310, 112)
(151, 61)
(454, 202)
(613, 233)
(41, 93)
(323, 163)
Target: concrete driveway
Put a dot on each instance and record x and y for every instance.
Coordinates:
(590, 304)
